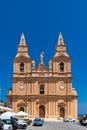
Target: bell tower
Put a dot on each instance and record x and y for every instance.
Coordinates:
(21, 72)
(61, 60)
(22, 61)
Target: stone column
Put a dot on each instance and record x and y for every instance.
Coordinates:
(57, 109)
(29, 107)
(49, 108)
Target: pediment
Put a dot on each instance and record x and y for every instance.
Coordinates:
(61, 104)
(21, 104)
(41, 68)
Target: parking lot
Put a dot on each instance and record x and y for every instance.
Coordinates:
(57, 126)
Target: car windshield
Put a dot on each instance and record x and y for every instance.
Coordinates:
(7, 121)
(37, 120)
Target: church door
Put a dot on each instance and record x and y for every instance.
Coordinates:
(42, 111)
(62, 112)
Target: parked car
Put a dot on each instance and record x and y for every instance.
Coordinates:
(69, 120)
(83, 120)
(1, 125)
(9, 124)
(21, 123)
(37, 122)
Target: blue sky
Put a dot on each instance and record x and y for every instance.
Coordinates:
(41, 21)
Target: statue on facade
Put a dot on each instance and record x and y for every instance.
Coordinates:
(50, 64)
(33, 64)
(41, 58)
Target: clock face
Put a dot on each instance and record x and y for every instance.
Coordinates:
(21, 87)
(61, 87)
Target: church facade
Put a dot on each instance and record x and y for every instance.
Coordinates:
(43, 92)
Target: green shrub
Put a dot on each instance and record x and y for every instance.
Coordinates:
(28, 121)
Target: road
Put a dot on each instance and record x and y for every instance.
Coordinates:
(57, 126)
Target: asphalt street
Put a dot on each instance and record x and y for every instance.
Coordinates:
(57, 126)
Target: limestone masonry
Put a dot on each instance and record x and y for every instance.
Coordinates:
(43, 92)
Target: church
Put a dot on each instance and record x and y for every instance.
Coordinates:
(41, 91)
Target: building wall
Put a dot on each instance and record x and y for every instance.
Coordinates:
(59, 98)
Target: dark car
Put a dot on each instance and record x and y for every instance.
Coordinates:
(1, 125)
(83, 120)
(37, 122)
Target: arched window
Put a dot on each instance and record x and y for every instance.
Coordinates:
(21, 108)
(61, 67)
(41, 89)
(22, 67)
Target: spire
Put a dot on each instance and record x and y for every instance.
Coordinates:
(60, 39)
(22, 40)
(61, 47)
(22, 48)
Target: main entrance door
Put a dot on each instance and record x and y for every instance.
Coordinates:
(42, 111)
(62, 112)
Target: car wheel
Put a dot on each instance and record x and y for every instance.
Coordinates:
(20, 126)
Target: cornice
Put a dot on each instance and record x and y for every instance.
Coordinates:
(42, 79)
(22, 58)
(61, 58)
(34, 97)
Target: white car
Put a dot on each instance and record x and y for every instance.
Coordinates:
(8, 124)
(21, 123)
(69, 120)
